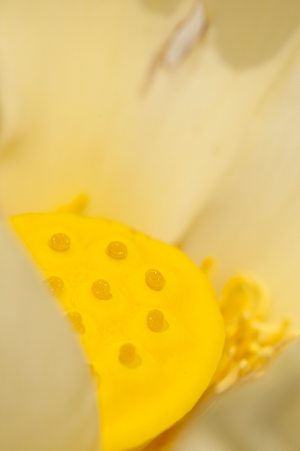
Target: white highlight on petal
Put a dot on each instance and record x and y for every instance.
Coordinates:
(186, 35)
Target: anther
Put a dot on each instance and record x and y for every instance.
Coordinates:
(117, 250)
(128, 356)
(76, 320)
(55, 284)
(59, 242)
(156, 321)
(101, 290)
(155, 280)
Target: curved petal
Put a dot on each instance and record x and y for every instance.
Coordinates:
(47, 396)
(77, 116)
(252, 223)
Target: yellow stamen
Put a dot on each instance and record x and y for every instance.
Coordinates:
(76, 206)
(207, 264)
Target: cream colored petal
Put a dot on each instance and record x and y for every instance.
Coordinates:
(263, 415)
(84, 111)
(252, 222)
(47, 397)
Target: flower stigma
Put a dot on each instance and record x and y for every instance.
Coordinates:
(55, 285)
(101, 290)
(59, 242)
(156, 321)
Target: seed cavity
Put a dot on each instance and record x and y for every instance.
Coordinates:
(117, 250)
(101, 289)
(76, 320)
(155, 280)
(156, 321)
(59, 242)
(55, 285)
(128, 356)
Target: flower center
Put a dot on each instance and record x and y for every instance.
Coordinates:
(146, 315)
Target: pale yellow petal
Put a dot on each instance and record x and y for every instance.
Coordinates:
(89, 107)
(252, 222)
(264, 415)
(48, 399)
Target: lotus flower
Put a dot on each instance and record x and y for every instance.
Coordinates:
(177, 118)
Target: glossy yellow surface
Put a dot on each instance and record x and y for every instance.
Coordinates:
(154, 339)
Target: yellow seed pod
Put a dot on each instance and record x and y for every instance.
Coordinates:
(146, 315)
